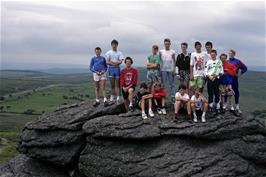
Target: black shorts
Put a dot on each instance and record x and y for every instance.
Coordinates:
(125, 94)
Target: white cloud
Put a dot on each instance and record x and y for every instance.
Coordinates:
(57, 31)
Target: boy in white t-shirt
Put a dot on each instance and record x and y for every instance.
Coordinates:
(199, 104)
(182, 100)
(213, 71)
(197, 64)
(167, 66)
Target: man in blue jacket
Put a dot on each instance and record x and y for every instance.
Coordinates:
(240, 66)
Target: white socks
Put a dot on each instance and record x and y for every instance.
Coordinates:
(218, 106)
(130, 104)
(97, 100)
(112, 98)
(104, 99)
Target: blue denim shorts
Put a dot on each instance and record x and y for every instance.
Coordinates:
(114, 72)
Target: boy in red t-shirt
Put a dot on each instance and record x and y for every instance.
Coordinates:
(159, 94)
(128, 82)
(226, 81)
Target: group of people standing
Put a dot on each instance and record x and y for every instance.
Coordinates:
(194, 71)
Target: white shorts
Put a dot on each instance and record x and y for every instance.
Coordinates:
(97, 77)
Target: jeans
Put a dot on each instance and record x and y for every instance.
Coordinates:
(168, 75)
(213, 88)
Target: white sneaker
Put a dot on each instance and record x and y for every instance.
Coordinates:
(151, 113)
(117, 100)
(159, 110)
(195, 118)
(144, 116)
(203, 119)
(164, 111)
(239, 111)
(111, 98)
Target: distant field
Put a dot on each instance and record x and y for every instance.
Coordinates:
(27, 94)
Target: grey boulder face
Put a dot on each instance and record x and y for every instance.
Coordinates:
(58, 137)
(127, 146)
(81, 140)
(22, 166)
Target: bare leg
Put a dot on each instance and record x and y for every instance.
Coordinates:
(142, 105)
(193, 107)
(112, 83)
(103, 88)
(117, 84)
(150, 103)
(188, 108)
(130, 94)
(177, 106)
(205, 107)
(163, 101)
(97, 88)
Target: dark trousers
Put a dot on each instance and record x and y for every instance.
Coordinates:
(213, 89)
(236, 90)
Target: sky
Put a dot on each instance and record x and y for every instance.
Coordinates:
(34, 33)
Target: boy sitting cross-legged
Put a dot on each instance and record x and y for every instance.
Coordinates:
(128, 82)
(182, 100)
(159, 94)
(199, 104)
(98, 67)
(143, 98)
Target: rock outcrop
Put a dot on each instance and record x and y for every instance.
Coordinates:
(83, 141)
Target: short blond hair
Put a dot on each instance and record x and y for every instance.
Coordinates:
(233, 51)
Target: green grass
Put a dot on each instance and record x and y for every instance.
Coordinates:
(48, 99)
(10, 128)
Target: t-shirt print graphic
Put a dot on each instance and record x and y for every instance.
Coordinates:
(128, 78)
(198, 63)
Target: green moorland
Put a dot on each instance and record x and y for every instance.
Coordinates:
(24, 95)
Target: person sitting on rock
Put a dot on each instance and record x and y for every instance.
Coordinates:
(182, 101)
(143, 98)
(98, 67)
(159, 95)
(128, 82)
(199, 105)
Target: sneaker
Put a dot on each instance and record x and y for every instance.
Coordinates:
(239, 111)
(175, 117)
(96, 103)
(195, 118)
(159, 110)
(111, 98)
(189, 118)
(117, 101)
(232, 110)
(151, 113)
(105, 104)
(236, 113)
(203, 119)
(164, 111)
(131, 108)
(217, 111)
(144, 116)
(173, 100)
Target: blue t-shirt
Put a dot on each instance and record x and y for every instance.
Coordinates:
(98, 64)
(114, 56)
